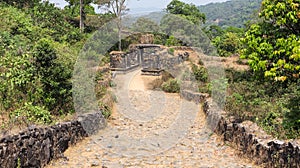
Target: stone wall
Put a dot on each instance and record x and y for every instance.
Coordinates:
(251, 140)
(148, 56)
(36, 146)
(247, 137)
(193, 96)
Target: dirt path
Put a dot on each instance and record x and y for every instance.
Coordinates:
(151, 129)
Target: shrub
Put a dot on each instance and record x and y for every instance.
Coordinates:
(32, 114)
(172, 41)
(273, 106)
(105, 109)
(171, 51)
(200, 73)
(205, 88)
(171, 86)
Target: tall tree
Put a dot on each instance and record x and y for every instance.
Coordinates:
(82, 5)
(81, 24)
(118, 8)
(273, 45)
(188, 11)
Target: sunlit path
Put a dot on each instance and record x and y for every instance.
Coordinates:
(159, 135)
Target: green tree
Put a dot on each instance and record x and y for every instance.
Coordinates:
(227, 44)
(21, 3)
(188, 11)
(80, 8)
(273, 45)
(54, 77)
(118, 8)
(213, 31)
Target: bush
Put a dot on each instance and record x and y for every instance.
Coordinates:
(32, 114)
(200, 73)
(171, 86)
(172, 41)
(171, 51)
(205, 88)
(106, 110)
(273, 106)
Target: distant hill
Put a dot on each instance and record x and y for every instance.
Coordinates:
(231, 13)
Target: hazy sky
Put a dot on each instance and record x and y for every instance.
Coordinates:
(144, 4)
(163, 3)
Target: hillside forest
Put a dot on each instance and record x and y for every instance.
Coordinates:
(40, 44)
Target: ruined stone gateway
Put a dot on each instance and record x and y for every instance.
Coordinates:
(152, 58)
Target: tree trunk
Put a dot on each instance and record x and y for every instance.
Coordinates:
(120, 33)
(81, 24)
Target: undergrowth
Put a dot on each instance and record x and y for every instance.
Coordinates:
(273, 106)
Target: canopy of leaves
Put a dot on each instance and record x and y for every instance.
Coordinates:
(36, 59)
(273, 45)
(188, 11)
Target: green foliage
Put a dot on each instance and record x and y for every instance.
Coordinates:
(205, 88)
(16, 79)
(231, 13)
(274, 106)
(31, 113)
(21, 3)
(172, 41)
(188, 11)
(200, 73)
(227, 41)
(171, 51)
(38, 49)
(213, 31)
(94, 21)
(15, 22)
(227, 44)
(106, 110)
(171, 86)
(91, 20)
(54, 78)
(292, 117)
(272, 46)
(183, 29)
(46, 15)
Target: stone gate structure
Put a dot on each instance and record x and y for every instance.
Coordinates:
(149, 57)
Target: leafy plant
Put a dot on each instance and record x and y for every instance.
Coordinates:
(172, 41)
(227, 44)
(32, 113)
(187, 11)
(273, 106)
(200, 73)
(106, 110)
(171, 51)
(171, 86)
(272, 45)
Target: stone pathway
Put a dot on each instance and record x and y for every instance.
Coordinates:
(152, 129)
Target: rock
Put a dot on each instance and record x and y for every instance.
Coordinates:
(95, 163)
